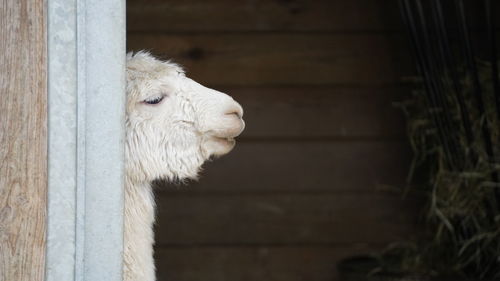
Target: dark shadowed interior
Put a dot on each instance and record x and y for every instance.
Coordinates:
(307, 183)
(317, 175)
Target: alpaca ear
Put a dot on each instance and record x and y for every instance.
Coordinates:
(142, 54)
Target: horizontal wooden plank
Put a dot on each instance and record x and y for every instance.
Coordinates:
(262, 15)
(321, 111)
(280, 15)
(284, 59)
(254, 263)
(330, 166)
(285, 218)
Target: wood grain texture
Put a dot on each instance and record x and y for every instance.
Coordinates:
(321, 112)
(303, 166)
(256, 263)
(284, 59)
(263, 15)
(23, 140)
(280, 15)
(285, 219)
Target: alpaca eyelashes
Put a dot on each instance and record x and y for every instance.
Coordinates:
(155, 100)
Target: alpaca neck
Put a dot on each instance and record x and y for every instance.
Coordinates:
(139, 216)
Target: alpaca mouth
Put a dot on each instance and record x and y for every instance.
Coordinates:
(218, 146)
(225, 139)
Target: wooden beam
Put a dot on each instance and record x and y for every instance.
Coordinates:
(283, 58)
(285, 219)
(256, 263)
(279, 15)
(262, 15)
(321, 112)
(23, 140)
(315, 166)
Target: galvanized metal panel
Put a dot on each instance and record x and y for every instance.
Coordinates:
(86, 133)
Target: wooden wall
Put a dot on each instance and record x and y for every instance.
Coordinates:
(301, 190)
(23, 140)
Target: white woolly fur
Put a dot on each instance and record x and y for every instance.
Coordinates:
(173, 126)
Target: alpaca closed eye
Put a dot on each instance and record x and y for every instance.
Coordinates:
(154, 101)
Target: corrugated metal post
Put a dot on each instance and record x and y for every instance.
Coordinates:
(86, 51)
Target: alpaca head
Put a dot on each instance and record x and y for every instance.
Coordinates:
(173, 123)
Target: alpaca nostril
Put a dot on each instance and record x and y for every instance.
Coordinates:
(236, 110)
(235, 113)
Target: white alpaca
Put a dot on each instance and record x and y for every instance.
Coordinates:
(173, 125)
